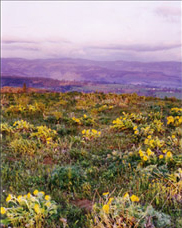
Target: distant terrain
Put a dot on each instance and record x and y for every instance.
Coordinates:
(160, 74)
(14, 84)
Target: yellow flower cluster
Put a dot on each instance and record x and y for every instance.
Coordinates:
(122, 123)
(89, 134)
(143, 131)
(146, 155)
(166, 154)
(133, 198)
(175, 121)
(76, 120)
(39, 203)
(22, 125)
(176, 110)
(44, 133)
(154, 143)
(106, 206)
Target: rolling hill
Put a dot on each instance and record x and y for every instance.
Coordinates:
(161, 74)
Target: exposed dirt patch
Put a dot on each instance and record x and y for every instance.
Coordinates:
(83, 204)
(48, 161)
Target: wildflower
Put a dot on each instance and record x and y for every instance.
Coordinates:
(9, 198)
(145, 158)
(3, 210)
(106, 208)
(126, 195)
(149, 136)
(105, 193)
(47, 197)
(161, 156)
(48, 204)
(85, 116)
(135, 132)
(135, 127)
(146, 141)
(28, 195)
(19, 198)
(169, 154)
(84, 131)
(173, 136)
(35, 192)
(37, 209)
(94, 131)
(149, 152)
(48, 140)
(164, 151)
(170, 119)
(134, 198)
(141, 153)
(110, 200)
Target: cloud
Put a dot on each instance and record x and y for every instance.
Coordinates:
(44, 48)
(139, 47)
(61, 48)
(169, 13)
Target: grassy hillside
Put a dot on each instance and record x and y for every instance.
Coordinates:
(91, 160)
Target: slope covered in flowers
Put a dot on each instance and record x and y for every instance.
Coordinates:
(119, 153)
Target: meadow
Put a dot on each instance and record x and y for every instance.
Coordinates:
(90, 160)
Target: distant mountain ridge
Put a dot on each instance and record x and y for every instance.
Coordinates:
(161, 74)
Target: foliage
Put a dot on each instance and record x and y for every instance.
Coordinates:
(35, 211)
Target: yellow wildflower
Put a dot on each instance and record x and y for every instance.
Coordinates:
(126, 195)
(35, 192)
(161, 156)
(173, 136)
(9, 198)
(169, 154)
(28, 195)
(48, 204)
(149, 136)
(149, 152)
(145, 158)
(141, 153)
(106, 208)
(134, 198)
(105, 193)
(146, 141)
(110, 200)
(170, 119)
(19, 198)
(3, 210)
(164, 151)
(94, 131)
(85, 116)
(135, 127)
(37, 209)
(47, 197)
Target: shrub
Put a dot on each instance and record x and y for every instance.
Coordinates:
(68, 177)
(33, 211)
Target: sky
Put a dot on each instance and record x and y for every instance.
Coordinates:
(98, 30)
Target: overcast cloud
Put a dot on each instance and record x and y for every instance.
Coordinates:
(144, 31)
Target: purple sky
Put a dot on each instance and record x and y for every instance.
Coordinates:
(100, 30)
